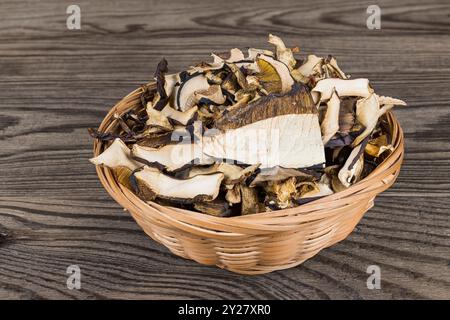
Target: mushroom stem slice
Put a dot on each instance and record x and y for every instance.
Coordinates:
(330, 123)
(198, 188)
(357, 87)
(116, 155)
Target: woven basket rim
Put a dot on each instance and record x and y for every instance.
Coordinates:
(279, 220)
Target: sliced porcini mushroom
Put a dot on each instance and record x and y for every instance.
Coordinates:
(211, 95)
(253, 53)
(233, 56)
(122, 175)
(330, 123)
(185, 98)
(172, 156)
(283, 191)
(181, 117)
(283, 53)
(353, 167)
(155, 140)
(156, 119)
(217, 208)
(162, 96)
(249, 200)
(356, 87)
(390, 101)
(310, 67)
(368, 112)
(116, 155)
(257, 133)
(274, 75)
(240, 103)
(347, 114)
(233, 195)
(297, 101)
(321, 189)
(375, 147)
(266, 142)
(232, 173)
(333, 65)
(158, 185)
(278, 174)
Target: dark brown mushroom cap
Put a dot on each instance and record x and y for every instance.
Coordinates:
(297, 101)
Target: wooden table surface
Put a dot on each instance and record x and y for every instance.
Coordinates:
(55, 83)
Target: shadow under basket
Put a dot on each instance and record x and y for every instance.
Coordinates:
(257, 243)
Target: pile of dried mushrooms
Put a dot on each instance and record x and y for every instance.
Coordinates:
(249, 133)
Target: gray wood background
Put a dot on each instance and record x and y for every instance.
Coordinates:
(55, 83)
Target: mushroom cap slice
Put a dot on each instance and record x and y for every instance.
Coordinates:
(185, 93)
(116, 155)
(356, 87)
(198, 188)
(296, 101)
(171, 156)
(179, 116)
(211, 95)
(274, 75)
(157, 119)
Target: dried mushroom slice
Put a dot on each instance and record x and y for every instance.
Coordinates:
(283, 53)
(330, 123)
(157, 119)
(281, 193)
(181, 117)
(212, 95)
(274, 75)
(375, 147)
(279, 174)
(217, 208)
(171, 157)
(249, 200)
(312, 66)
(352, 169)
(195, 189)
(320, 189)
(233, 174)
(356, 87)
(116, 155)
(185, 98)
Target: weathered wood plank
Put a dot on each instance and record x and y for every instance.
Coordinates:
(56, 83)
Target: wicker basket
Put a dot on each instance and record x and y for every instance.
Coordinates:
(258, 243)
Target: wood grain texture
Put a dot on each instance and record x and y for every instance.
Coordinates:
(55, 83)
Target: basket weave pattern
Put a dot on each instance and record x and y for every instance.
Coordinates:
(257, 243)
